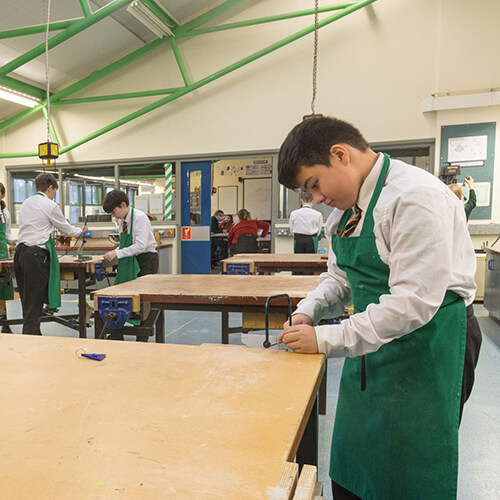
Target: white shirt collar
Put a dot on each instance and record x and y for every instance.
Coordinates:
(368, 186)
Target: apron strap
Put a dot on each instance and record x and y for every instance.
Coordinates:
(368, 221)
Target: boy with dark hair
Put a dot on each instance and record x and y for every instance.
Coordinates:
(36, 265)
(400, 251)
(137, 255)
(305, 225)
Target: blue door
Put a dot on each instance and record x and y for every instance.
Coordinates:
(195, 217)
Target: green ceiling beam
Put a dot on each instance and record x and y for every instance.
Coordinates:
(25, 88)
(87, 11)
(114, 97)
(93, 77)
(208, 16)
(204, 81)
(160, 13)
(39, 28)
(179, 60)
(72, 30)
(215, 76)
(262, 20)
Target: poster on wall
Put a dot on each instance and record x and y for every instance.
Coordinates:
(467, 149)
(482, 190)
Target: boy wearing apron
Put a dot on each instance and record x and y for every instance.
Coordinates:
(401, 253)
(36, 265)
(136, 254)
(305, 225)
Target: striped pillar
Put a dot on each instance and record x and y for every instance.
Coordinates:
(168, 191)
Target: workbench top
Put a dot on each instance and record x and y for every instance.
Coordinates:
(150, 421)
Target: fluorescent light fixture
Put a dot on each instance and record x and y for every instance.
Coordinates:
(112, 180)
(18, 97)
(150, 20)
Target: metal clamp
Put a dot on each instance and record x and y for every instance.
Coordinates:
(266, 343)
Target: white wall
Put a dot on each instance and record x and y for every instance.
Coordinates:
(376, 67)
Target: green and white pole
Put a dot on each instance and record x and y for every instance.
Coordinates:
(168, 191)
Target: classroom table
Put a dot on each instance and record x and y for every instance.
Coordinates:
(84, 272)
(151, 421)
(260, 263)
(213, 292)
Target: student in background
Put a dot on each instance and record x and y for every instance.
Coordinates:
(6, 290)
(36, 265)
(305, 225)
(217, 243)
(246, 225)
(137, 255)
(412, 345)
(471, 202)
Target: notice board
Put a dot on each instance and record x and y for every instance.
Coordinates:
(472, 146)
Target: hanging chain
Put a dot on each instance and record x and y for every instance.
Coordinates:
(47, 81)
(315, 57)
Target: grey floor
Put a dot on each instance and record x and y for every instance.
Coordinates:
(479, 470)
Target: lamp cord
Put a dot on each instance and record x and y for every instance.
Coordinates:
(315, 57)
(47, 81)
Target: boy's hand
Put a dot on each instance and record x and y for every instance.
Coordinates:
(300, 338)
(470, 182)
(109, 256)
(299, 319)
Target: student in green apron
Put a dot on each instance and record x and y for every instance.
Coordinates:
(36, 265)
(7, 288)
(305, 225)
(401, 253)
(136, 254)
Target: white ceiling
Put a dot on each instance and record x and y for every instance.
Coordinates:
(90, 50)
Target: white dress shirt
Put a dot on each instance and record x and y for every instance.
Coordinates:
(38, 217)
(8, 226)
(421, 234)
(306, 220)
(143, 239)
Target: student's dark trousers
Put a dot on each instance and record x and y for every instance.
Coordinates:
(472, 348)
(31, 267)
(303, 243)
(148, 264)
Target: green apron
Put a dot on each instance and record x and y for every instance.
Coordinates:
(396, 425)
(6, 291)
(128, 267)
(54, 286)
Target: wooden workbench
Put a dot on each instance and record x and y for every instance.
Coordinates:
(150, 421)
(214, 292)
(260, 263)
(71, 269)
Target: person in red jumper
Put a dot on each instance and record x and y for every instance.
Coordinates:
(245, 226)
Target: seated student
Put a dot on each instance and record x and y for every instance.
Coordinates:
(471, 202)
(36, 265)
(401, 251)
(246, 225)
(137, 255)
(305, 225)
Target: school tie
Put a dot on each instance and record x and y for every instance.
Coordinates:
(124, 227)
(351, 225)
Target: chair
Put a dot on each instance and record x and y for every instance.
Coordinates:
(247, 243)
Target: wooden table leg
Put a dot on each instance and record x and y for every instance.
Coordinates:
(322, 391)
(160, 328)
(308, 448)
(225, 327)
(82, 304)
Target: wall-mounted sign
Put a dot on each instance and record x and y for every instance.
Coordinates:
(465, 149)
(186, 233)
